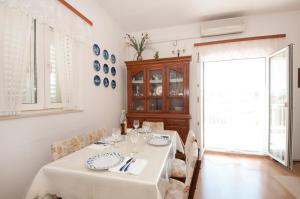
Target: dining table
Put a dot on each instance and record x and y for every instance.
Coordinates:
(69, 177)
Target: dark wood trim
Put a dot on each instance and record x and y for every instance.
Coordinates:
(160, 115)
(240, 40)
(159, 61)
(75, 11)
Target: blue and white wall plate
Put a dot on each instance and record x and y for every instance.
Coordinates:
(97, 80)
(113, 59)
(105, 68)
(97, 66)
(106, 82)
(113, 71)
(113, 84)
(105, 54)
(96, 49)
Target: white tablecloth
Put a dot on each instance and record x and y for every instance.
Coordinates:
(70, 179)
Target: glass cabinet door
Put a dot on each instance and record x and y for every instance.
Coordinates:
(138, 91)
(175, 90)
(155, 90)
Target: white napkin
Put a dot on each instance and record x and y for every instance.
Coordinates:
(135, 168)
(98, 146)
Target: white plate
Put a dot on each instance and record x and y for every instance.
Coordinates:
(104, 161)
(159, 140)
(114, 139)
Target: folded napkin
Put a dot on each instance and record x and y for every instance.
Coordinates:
(98, 146)
(161, 135)
(135, 168)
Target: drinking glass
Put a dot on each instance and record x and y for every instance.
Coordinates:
(136, 124)
(146, 129)
(134, 138)
(116, 134)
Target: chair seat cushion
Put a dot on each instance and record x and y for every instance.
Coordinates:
(176, 190)
(178, 168)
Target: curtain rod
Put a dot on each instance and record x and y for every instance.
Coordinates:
(240, 39)
(76, 12)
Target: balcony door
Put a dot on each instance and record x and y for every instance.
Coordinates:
(280, 106)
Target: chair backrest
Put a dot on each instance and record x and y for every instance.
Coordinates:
(93, 136)
(194, 181)
(191, 138)
(62, 148)
(191, 159)
(155, 125)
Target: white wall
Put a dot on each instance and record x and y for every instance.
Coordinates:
(256, 25)
(25, 143)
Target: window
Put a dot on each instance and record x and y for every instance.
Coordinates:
(30, 84)
(48, 55)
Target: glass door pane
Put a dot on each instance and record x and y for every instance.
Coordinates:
(235, 105)
(155, 91)
(176, 90)
(279, 106)
(138, 84)
(155, 82)
(138, 90)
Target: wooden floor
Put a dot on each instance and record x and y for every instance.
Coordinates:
(228, 176)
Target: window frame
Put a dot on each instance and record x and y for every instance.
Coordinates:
(42, 67)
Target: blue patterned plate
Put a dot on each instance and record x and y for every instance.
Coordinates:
(104, 161)
(97, 80)
(106, 82)
(105, 54)
(113, 71)
(96, 49)
(105, 68)
(113, 59)
(97, 66)
(113, 84)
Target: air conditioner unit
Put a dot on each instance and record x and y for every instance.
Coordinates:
(222, 27)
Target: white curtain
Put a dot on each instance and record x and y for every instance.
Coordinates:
(54, 14)
(239, 50)
(14, 46)
(68, 59)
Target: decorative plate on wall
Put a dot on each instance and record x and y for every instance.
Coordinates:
(97, 80)
(105, 54)
(105, 68)
(113, 84)
(113, 59)
(113, 71)
(97, 66)
(96, 49)
(106, 82)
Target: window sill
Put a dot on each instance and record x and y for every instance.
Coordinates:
(39, 113)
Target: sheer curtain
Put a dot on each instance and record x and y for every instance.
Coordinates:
(224, 52)
(15, 20)
(67, 64)
(14, 45)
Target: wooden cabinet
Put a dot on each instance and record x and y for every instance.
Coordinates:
(158, 90)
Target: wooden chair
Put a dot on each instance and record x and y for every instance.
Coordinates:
(178, 170)
(180, 190)
(154, 125)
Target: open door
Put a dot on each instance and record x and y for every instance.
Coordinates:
(281, 106)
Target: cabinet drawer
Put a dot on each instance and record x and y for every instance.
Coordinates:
(176, 122)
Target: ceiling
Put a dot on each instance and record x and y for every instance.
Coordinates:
(135, 15)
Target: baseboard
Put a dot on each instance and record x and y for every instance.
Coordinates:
(235, 153)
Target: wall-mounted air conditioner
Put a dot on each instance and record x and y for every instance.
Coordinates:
(222, 27)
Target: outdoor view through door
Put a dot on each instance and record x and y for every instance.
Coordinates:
(235, 105)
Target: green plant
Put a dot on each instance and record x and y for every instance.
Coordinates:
(138, 45)
(156, 55)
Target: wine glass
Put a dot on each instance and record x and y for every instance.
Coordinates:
(134, 138)
(136, 124)
(146, 129)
